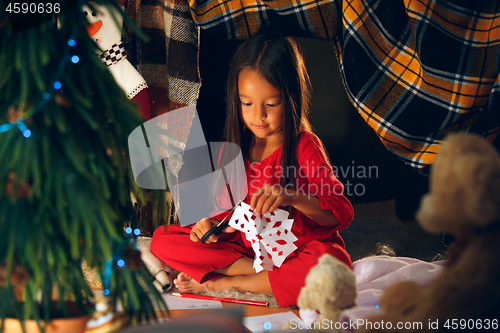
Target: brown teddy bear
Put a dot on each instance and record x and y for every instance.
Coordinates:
(463, 200)
(330, 288)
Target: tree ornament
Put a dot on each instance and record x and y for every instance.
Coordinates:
(133, 259)
(19, 276)
(107, 34)
(13, 114)
(62, 101)
(24, 189)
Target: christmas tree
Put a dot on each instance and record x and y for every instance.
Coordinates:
(65, 181)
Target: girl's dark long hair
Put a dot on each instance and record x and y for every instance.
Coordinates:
(279, 59)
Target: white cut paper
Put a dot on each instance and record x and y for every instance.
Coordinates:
(180, 303)
(176, 302)
(271, 237)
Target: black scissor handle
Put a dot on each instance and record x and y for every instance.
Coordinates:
(217, 229)
(209, 233)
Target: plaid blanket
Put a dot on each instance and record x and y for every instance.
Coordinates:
(414, 69)
(168, 61)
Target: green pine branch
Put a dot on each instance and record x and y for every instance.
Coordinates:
(65, 190)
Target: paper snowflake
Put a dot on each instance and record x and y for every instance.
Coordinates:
(271, 237)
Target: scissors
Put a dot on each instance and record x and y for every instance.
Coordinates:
(217, 229)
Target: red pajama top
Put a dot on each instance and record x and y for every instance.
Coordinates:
(313, 176)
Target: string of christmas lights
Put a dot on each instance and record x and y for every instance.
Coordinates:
(120, 262)
(55, 84)
(19, 122)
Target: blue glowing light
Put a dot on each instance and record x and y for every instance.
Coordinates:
(105, 292)
(137, 232)
(128, 230)
(57, 85)
(267, 325)
(71, 42)
(376, 305)
(75, 59)
(26, 133)
(120, 263)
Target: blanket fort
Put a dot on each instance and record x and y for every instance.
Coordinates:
(271, 235)
(414, 70)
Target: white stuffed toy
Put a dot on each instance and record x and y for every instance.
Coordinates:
(163, 274)
(330, 288)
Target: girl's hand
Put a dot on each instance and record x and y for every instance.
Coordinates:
(202, 227)
(269, 197)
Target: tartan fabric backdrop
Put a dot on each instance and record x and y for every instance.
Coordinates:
(169, 64)
(414, 69)
(169, 60)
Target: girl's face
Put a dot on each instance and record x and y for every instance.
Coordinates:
(261, 105)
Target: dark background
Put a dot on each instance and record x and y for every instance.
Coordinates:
(350, 142)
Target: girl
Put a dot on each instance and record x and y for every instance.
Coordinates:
(268, 93)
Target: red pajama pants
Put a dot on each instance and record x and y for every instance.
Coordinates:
(201, 260)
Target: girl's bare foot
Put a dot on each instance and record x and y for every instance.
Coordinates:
(256, 283)
(187, 284)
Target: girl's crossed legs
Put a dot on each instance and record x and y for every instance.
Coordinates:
(229, 264)
(217, 266)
